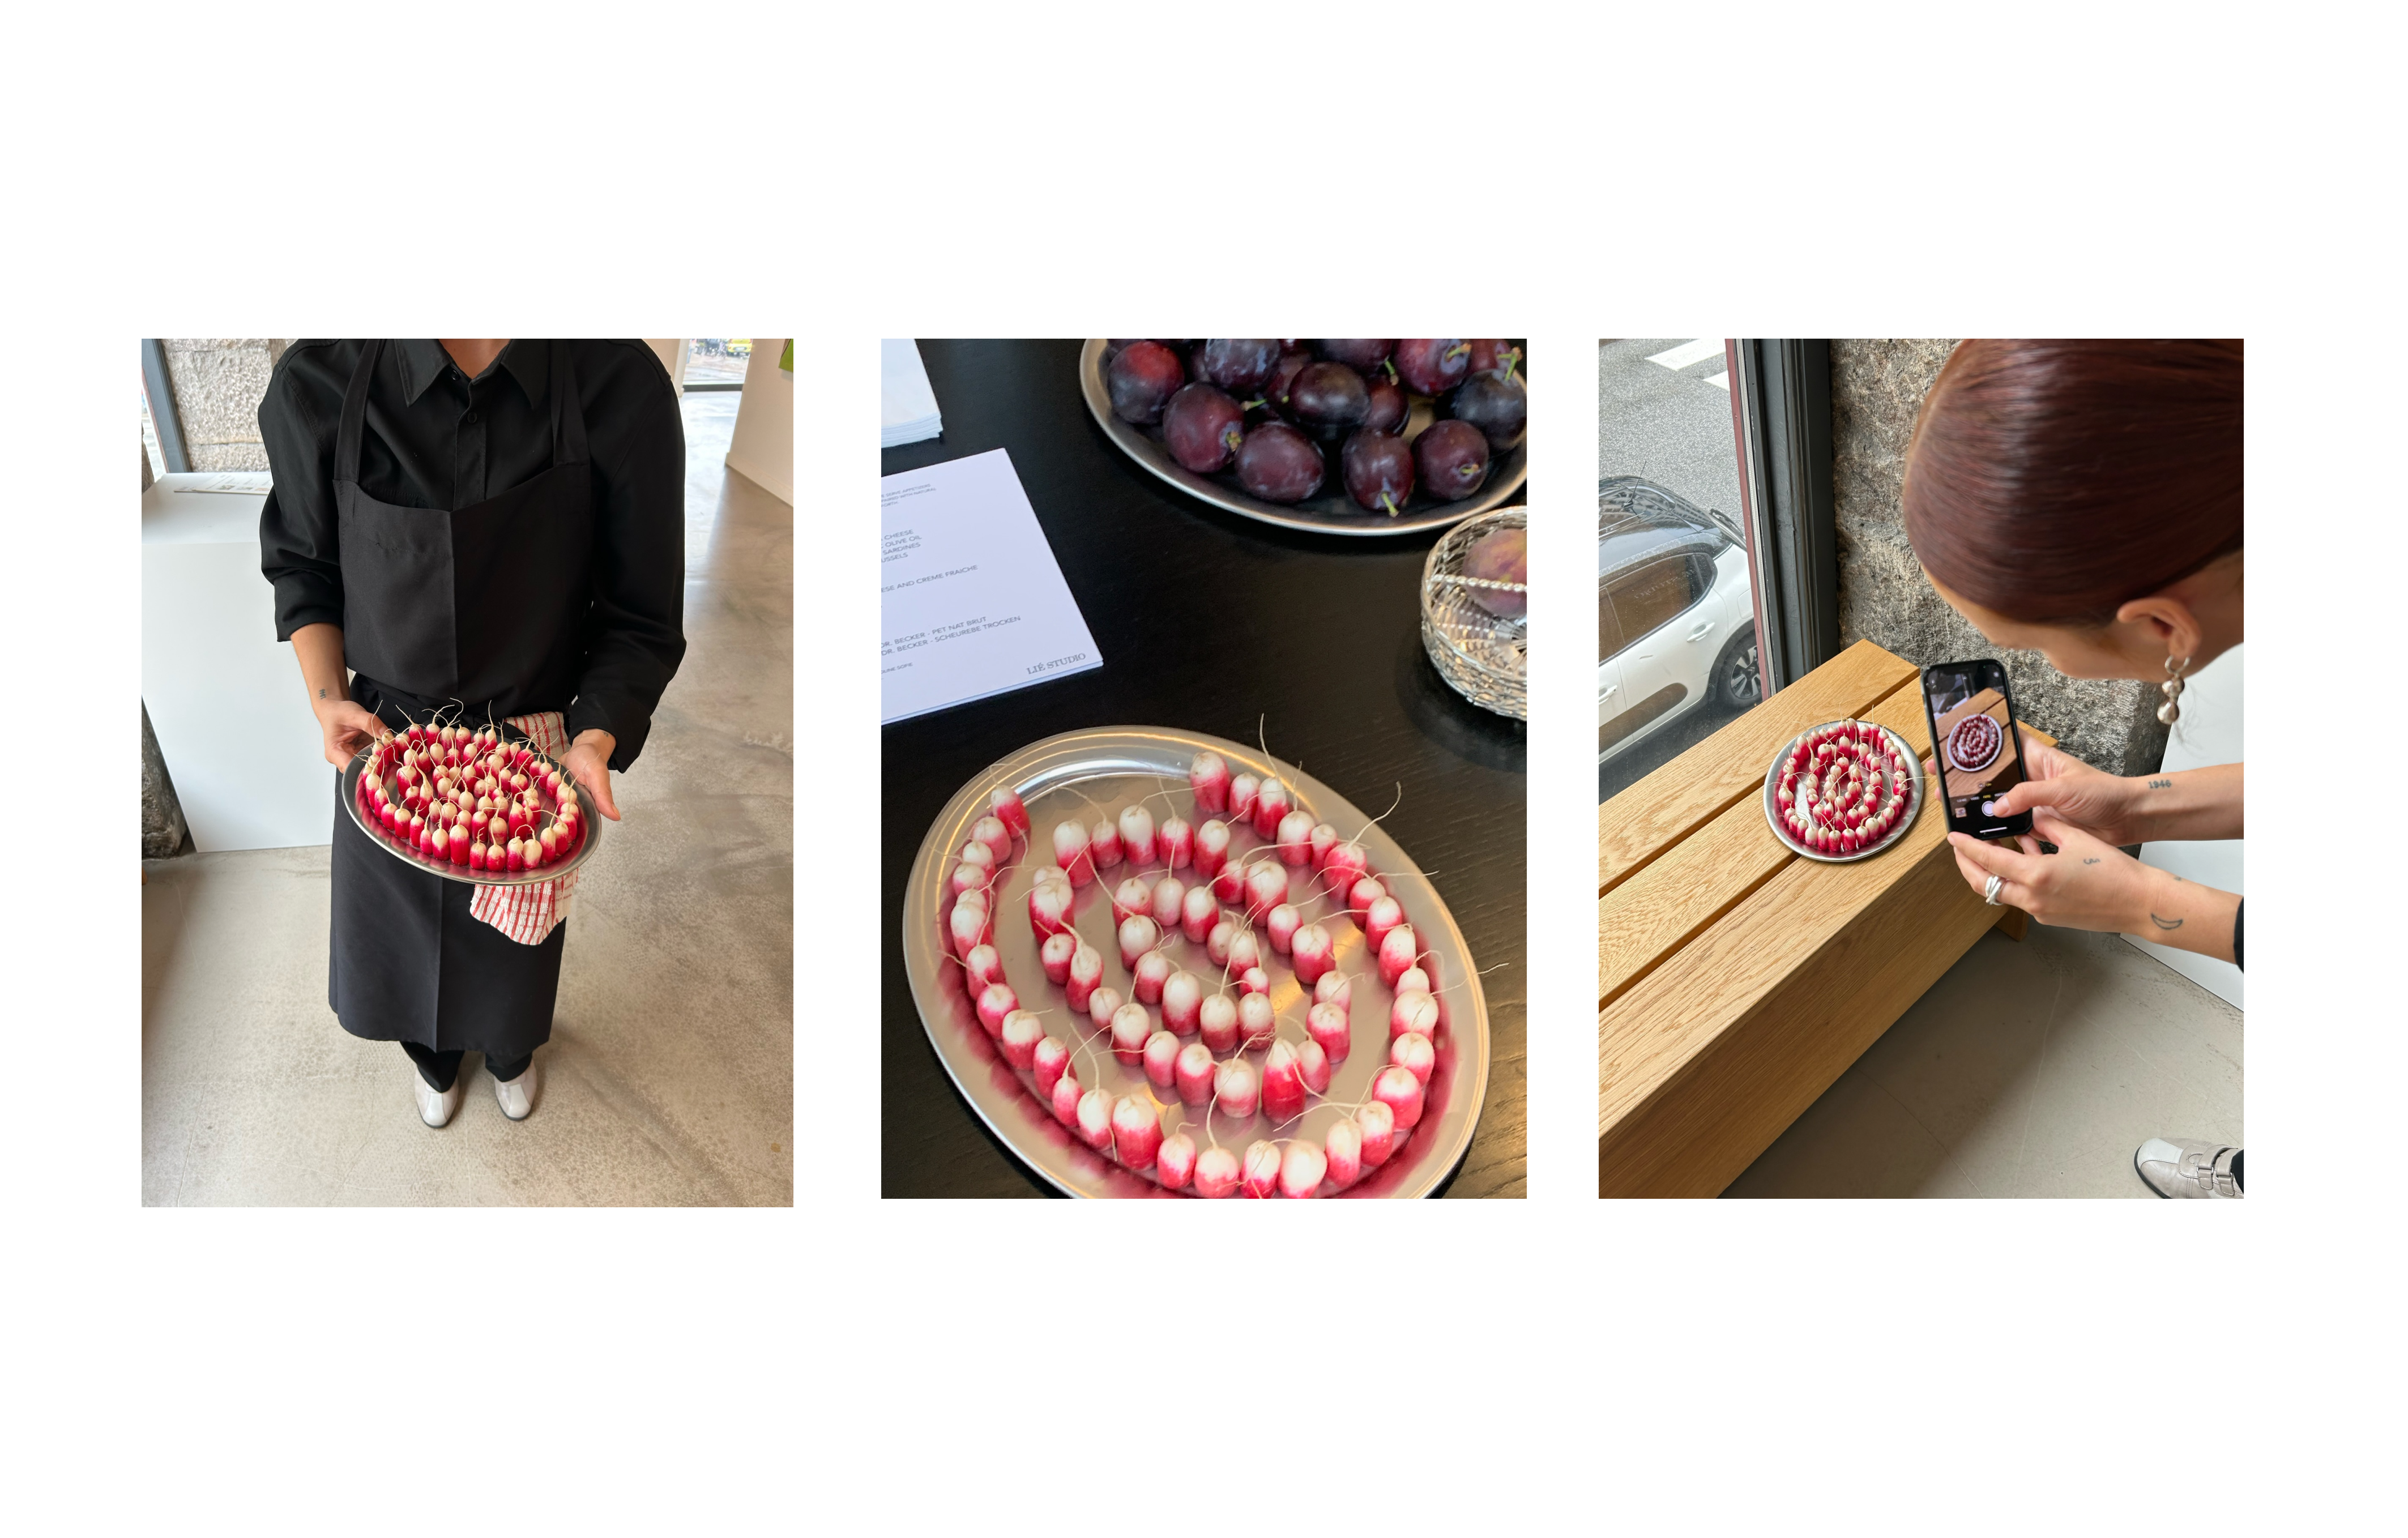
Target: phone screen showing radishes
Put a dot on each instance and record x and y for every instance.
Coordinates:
(1973, 726)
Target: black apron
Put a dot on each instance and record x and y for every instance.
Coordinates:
(484, 607)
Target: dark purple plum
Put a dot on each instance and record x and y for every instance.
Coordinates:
(1452, 458)
(1496, 403)
(1240, 365)
(1433, 366)
(1361, 357)
(1494, 353)
(1143, 376)
(1379, 470)
(1275, 389)
(1388, 404)
(1203, 428)
(1328, 400)
(1280, 464)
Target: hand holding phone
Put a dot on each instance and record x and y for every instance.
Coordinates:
(1975, 746)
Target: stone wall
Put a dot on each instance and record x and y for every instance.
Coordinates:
(219, 383)
(162, 816)
(1877, 387)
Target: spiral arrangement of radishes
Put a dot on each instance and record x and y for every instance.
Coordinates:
(1973, 743)
(1200, 921)
(467, 798)
(1843, 788)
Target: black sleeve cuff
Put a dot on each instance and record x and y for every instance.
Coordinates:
(306, 599)
(627, 726)
(2236, 933)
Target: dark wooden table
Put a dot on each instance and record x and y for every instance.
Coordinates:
(1206, 620)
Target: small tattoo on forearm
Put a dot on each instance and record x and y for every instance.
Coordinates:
(322, 694)
(2161, 784)
(2165, 923)
(2090, 859)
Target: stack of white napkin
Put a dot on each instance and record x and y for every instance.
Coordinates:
(911, 405)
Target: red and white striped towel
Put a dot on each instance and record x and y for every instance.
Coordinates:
(527, 914)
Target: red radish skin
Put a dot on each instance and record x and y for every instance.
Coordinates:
(1216, 1173)
(1236, 1089)
(1208, 776)
(1174, 1162)
(1381, 916)
(1218, 1020)
(1054, 955)
(1086, 971)
(1261, 1168)
(1102, 1005)
(1282, 924)
(1193, 1071)
(1229, 882)
(1414, 1053)
(1398, 954)
(993, 1003)
(1104, 845)
(1095, 1119)
(991, 832)
(1137, 836)
(1066, 1098)
(1362, 897)
(1313, 1066)
(1301, 1169)
(969, 924)
(1319, 841)
(1152, 972)
(1296, 840)
(1049, 1059)
(1402, 1093)
(1283, 1093)
(1252, 982)
(1162, 1059)
(1327, 1025)
(1242, 797)
(1137, 937)
(1414, 1015)
(1183, 1003)
(1265, 888)
(1343, 1149)
(1273, 803)
(1245, 951)
(1009, 811)
(1130, 899)
(1375, 1127)
(1313, 953)
(1177, 842)
(1212, 849)
(1072, 854)
(1022, 1032)
(1197, 913)
(982, 966)
(1257, 1024)
(1048, 907)
(1131, 1026)
(1345, 864)
(1136, 1131)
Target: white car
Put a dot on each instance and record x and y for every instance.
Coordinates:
(1675, 623)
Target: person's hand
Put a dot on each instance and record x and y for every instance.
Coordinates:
(2089, 883)
(348, 727)
(588, 763)
(2103, 805)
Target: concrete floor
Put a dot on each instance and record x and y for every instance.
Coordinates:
(2033, 1067)
(669, 1076)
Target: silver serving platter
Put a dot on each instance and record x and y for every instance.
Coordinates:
(1331, 513)
(587, 814)
(1094, 773)
(1913, 803)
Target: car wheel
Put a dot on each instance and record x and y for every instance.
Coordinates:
(1738, 677)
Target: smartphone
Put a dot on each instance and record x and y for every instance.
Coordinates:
(1975, 744)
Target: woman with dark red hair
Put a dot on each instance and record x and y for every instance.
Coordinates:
(2082, 499)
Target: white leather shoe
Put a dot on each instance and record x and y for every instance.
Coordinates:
(517, 1096)
(434, 1107)
(2185, 1168)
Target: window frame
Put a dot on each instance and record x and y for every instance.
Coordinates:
(1781, 418)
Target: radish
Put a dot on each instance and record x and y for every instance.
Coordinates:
(988, 831)
(1229, 882)
(1169, 902)
(1300, 1171)
(1295, 839)
(1137, 835)
(1208, 776)
(1245, 951)
(1242, 797)
(1343, 1148)
(1414, 980)
(477, 855)
(1414, 1053)
(1282, 1084)
(1162, 1058)
(1252, 982)
(1413, 1014)
(1216, 1173)
(1021, 1031)
(1054, 955)
(1051, 1058)
(1218, 1020)
(1049, 905)
(1137, 936)
(1131, 898)
(1194, 1071)
(996, 1001)
(1361, 897)
(1318, 841)
(1177, 841)
(1095, 1119)
(1273, 803)
(1397, 952)
(968, 926)
(1283, 923)
(1326, 1024)
(1183, 1001)
(1236, 1088)
(1312, 1066)
(1153, 972)
(1382, 916)
(1313, 953)
(1174, 1162)
(1197, 913)
(1265, 888)
(1256, 1021)
(1010, 812)
(1375, 1127)
(1212, 849)
(1262, 1168)
(1136, 1131)
(1334, 989)
(1102, 1005)
(1072, 854)
(1086, 971)
(1402, 1093)
(1104, 845)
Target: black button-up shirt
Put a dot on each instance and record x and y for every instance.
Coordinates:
(446, 441)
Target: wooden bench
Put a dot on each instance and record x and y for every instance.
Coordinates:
(1736, 981)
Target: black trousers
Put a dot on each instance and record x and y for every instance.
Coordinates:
(441, 1069)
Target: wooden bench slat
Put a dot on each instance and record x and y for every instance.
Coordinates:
(1662, 907)
(1694, 788)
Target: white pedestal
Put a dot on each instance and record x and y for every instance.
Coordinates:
(224, 695)
(2208, 733)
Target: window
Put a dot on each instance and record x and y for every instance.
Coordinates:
(716, 363)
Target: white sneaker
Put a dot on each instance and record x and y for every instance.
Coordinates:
(434, 1107)
(517, 1096)
(2188, 1169)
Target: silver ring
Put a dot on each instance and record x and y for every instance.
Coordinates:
(1990, 893)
